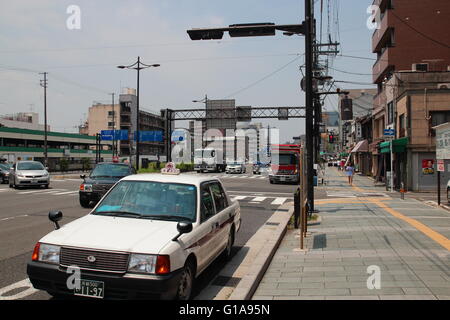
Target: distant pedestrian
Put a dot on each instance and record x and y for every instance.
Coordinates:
(342, 165)
(350, 171)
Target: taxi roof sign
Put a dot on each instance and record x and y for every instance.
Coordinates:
(170, 168)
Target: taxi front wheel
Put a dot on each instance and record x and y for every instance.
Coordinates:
(186, 282)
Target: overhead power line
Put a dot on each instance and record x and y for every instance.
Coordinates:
(264, 78)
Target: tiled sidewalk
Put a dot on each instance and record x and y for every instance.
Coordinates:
(356, 233)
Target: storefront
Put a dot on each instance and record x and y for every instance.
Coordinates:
(399, 160)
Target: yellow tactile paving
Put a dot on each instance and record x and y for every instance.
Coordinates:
(436, 236)
(439, 238)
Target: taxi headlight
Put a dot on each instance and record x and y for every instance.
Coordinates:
(142, 263)
(49, 253)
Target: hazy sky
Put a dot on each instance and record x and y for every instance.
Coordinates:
(82, 62)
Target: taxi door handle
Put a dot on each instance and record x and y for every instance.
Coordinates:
(215, 226)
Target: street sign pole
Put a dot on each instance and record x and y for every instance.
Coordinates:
(392, 165)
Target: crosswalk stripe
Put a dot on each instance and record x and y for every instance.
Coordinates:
(279, 201)
(42, 191)
(239, 198)
(67, 192)
(259, 199)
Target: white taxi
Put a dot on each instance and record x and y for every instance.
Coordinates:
(149, 237)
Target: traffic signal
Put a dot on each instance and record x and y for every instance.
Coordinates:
(331, 138)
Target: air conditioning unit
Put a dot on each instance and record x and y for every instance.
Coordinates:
(443, 85)
(423, 67)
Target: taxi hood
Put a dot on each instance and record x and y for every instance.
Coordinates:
(115, 234)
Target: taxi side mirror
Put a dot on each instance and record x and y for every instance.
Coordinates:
(55, 216)
(183, 227)
(82, 176)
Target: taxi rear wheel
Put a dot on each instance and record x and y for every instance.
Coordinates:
(227, 252)
(185, 285)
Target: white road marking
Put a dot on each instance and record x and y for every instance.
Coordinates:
(279, 201)
(10, 218)
(239, 198)
(259, 199)
(62, 193)
(24, 283)
(41, 191)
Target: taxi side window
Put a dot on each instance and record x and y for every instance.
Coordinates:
(219, 196)
(207, 203)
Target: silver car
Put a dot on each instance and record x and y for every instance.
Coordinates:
(235, 167)
(28, 173)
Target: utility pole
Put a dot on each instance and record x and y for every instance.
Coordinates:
(309, 105)
(114, 126)
(43, 84)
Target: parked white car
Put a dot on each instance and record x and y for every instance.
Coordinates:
(149, 237)
(448, 191)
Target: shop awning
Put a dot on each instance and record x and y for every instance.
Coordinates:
(362, 146)
(343, 154)
(398, 144)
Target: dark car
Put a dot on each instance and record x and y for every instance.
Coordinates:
(4, 172)
(100, 180)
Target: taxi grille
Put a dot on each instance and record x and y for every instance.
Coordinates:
(104, 261)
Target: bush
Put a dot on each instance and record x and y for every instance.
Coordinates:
(63, 164)
(86, 163)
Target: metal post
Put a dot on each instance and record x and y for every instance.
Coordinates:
(114, 126)
(137, 114)
(309, 105)
(44, 84)
(439, 187)
(392, 165)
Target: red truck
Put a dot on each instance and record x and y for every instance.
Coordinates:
(285, 163)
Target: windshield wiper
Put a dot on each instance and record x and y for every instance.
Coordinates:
(164, 217)
(119, 213)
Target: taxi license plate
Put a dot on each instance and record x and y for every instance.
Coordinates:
(90, 288)
(34, 180)
(282, 178)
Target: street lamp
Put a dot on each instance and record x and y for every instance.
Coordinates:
(205, 101)
(138, 66)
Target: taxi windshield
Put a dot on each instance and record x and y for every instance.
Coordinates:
(150, 200)
(110, 170)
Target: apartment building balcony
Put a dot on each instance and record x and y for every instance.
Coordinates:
(383, 34)
(384, 64)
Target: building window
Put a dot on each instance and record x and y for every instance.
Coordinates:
(111, 113)
(439, 117)
(110, 124)
(402, 126)
(390, 112)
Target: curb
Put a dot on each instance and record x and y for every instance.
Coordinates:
(270, 236)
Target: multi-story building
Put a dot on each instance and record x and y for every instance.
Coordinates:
(122, 116)
(418, 102)
(355, 127)
(22, 120)
(412, 36)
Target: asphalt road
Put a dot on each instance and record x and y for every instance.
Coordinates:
(23, 221)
